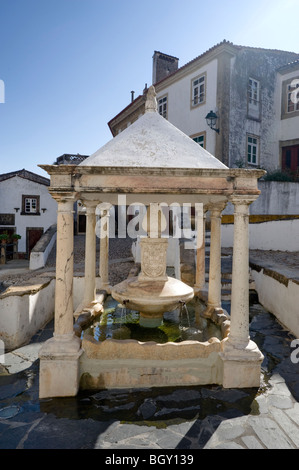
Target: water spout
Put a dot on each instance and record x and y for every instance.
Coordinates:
(123, 315)
(183, 308)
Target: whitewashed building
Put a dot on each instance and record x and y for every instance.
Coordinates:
(26, 207)
(243, 86)
(287, 111)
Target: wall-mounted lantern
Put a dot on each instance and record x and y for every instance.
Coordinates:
(211, 119)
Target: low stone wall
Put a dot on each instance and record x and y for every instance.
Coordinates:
(279, 295)
(276, 198)
(278, 235)
(24, 310)
(129, 363)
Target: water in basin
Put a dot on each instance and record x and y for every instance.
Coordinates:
(185, 323)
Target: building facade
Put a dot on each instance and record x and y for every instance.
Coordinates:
(242, 86)
(27, 207)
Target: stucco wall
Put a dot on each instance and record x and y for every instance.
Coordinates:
(180, 113)
(280, 298)
(278, 235)
(276, 198)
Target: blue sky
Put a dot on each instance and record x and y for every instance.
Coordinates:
(69, 65)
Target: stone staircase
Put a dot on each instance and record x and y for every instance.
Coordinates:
(226, 271)
(188, 270)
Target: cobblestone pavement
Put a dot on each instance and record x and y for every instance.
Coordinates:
(180, 419)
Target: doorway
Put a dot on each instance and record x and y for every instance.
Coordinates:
(33, 234)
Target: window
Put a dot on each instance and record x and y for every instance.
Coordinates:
(253, 92)
(252, 149)
(198, 90)
(30, 205)
(253, 99)
(200, 139)
(293, 96)
(162, 106)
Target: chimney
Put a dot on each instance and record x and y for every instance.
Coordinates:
(163, 65)
(132, 96)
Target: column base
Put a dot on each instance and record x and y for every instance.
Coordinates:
(210, 311)
(241, 366)
(59, 366)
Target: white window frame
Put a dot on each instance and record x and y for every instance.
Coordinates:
(252, 149)
(198, 90)
(30, 205)
(253, 93)
(200, 139)
(163, 106)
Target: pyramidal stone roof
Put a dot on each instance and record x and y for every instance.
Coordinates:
(152, 142)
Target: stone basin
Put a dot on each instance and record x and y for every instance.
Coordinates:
(152, 298)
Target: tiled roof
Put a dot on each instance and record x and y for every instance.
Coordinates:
(294, 63)
(26, 175)
(213, 48)
(224, 42)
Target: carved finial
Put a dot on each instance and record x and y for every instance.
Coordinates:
(151, 102)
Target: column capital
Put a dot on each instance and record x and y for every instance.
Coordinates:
(242, 200)
(90, 207)
(216, 209)
(87, 203)
(63, 197)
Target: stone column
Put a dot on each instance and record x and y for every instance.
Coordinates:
(64, 269)
(59, 356)
(104, 250)
(200, 273)
(214, 294)
(241, 356)
(90, 254)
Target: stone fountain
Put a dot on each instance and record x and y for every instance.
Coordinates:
(148, 163)
(152, 292)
